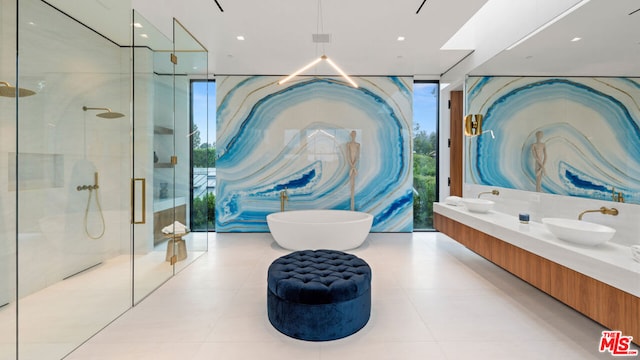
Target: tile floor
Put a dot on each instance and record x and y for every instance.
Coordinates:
(431, 299)
(55, 319)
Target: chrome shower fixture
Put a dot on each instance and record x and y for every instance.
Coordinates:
(6, 90)
(108, 114)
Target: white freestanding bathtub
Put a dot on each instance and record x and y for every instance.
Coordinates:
(319, 229)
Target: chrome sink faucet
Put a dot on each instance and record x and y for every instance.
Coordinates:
(492, 192)
(284, 196)
(602, 210)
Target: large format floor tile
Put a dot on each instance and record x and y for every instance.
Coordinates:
(431, 299)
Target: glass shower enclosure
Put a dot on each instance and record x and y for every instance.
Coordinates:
(92, 144)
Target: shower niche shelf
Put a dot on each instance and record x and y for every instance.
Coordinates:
(163, 165)
(162, 130)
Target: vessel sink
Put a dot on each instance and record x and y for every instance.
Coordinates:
(478, 205)
(578, 231)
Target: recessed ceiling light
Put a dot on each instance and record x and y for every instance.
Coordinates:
(576, 39)
(144, 36)
(240, 37)
(548, 23)
(401, 38)
(137, 25)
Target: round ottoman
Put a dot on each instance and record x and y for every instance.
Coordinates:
(319, 295)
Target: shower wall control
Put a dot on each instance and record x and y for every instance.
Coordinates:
(95, 185)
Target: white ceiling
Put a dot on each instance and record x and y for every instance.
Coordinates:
(278, 33)
(609, 45)
(364, 35)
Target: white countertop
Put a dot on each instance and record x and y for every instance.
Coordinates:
(609, 263)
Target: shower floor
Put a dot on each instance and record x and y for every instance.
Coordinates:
(58, 318)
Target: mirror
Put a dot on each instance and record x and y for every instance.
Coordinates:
(568, 123)
(598, 39)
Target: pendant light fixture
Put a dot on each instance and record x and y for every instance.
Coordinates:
(319, 31)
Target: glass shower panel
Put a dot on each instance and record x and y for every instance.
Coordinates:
(191, 64)
(154, 134)
(71, 177)
(8, 235)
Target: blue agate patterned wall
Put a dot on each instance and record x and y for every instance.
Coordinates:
(271, 137)
(590, 126)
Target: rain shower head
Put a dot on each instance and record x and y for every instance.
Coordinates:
(108, 114)
(7, 90)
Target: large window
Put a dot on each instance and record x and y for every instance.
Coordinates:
(425, 153)
(203, 155)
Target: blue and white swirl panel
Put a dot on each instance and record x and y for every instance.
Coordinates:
(590, 130)
(294, 136)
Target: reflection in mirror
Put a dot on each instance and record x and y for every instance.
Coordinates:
(598, 39)
(566, 118)
(559, 135)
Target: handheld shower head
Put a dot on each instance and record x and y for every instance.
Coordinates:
(108, 114)
(6, 90)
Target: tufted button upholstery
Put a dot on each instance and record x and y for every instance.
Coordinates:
(319, 277)
(319, 295)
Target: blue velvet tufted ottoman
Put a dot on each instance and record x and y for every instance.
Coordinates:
(319, 295)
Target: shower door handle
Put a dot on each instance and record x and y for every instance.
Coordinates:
(143, 188)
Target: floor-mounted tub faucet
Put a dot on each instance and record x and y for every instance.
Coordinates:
(602, 210)
(284, 196)
(616, 196)
(492, 192)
